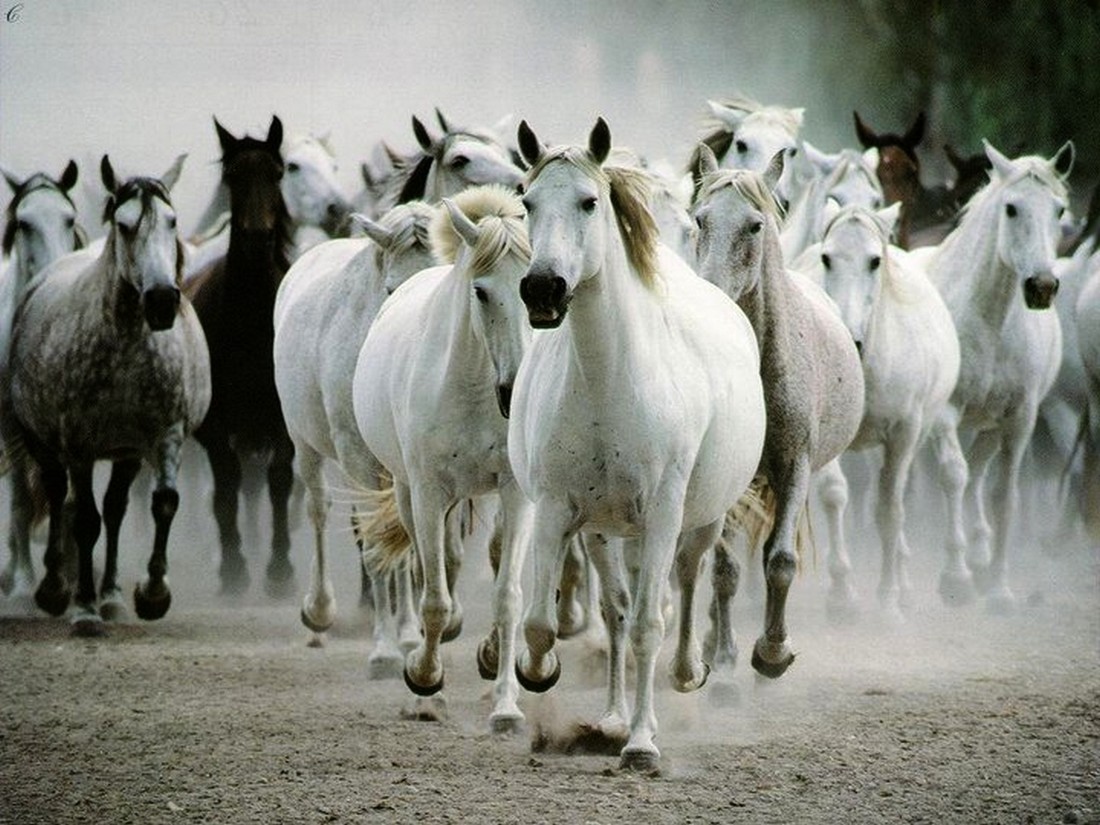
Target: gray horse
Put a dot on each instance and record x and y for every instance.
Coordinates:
(108, 362)
(813, 383)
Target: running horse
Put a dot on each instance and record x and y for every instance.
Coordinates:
(235, 300)
(108, 362)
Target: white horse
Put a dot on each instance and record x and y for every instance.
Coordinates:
(432, 392)
(995, 272)
(324, 307)
(40, 226)
(1088, 342)
(847, 177)
(641, 415)
(813, 384)
(109, 362)
(745, 134)
(910, 355)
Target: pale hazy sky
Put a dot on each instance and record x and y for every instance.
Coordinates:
(141, 79)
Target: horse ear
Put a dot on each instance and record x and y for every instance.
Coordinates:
(466, 229)
(820, 160)
(375, 231)
(916, 132)
(275, 134)
(170, 177)
(367, 175)
(889, 217)
(225, 138)
(443, 124)
(1063, 159)
(1002, 166)
(774, 171)
(866, 135)
(107, 173)
(12, 180)
(871, 157)
(829, 211)
(726, 114)
(68, 178)
(599, 141)
(422, 136)
(708, 163)
(529, 145)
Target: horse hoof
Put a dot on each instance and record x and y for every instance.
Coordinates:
(693, 683)
(87, 625)
(453, 629)
(487, 662)
(151, 603)
(383, 667)
(506, 725)
(315, 626)
(111, 607)
(539, 686)
(422, 690)
(773, 670)
(53, 597)
(956, 589)
(640, 761)
(234, 578)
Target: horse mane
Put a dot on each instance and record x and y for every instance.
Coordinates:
(1032, 166)
(499, 216)
(629, 190)
(749, 185)
(409, 225)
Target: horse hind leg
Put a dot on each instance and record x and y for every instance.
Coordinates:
(832, 489)
(319, 604)
(279, 583)
(572, 618)
(720, 644)
(225, 466)
(111, 605)
(688, 670)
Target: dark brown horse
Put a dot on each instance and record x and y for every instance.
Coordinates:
(235, 299)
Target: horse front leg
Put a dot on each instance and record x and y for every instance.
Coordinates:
(899, 452)
(86, 528)
(607, 559)
(424, 665)
(720, 642)
(571, 613)
(53, 592)
(225, 466)
(999, 596)
(832, 491)
(18, 578)
(647, 627)
(319, 604)
(538, 667)
(515, 523)
(978, 459)
(152, 597)
(689, 672)
(279, 583)
(772, 654)
(956, 585)
(115, 500)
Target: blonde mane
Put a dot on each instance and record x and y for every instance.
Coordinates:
(409, 224)
(629, 190)
(499, 216)
(1032, 166)
(749, 185)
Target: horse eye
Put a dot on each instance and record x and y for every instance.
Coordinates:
(481, 295)
(699, 221)
(459, 162)
(589, 205)
(292, 167)
(876, 261)
(741, 147)
(70, 223)
(756, 227)
(24, 226)
(792, 152)
(826, 261)
(1010, 210)
(172, 222)
(1061, 212)
(530, 207)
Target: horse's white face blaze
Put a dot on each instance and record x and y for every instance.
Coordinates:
(500, 323)
(146, 250)
(568, 219)
(1027, 237)
(730, 241)
(467, 161)
(852, 260)
(46, 228)
(310, 188)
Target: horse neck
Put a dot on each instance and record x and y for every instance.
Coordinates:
(977, 284)
(612, 318)
(764, 301)
(465, 361)
(258, 260)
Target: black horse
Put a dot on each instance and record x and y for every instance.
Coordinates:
(235, 300)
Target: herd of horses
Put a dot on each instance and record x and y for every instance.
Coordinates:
(633, 368)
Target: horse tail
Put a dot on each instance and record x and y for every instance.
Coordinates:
(14, 458)
(382, 539)
(754, 514)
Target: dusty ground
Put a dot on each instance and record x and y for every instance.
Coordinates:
(220, 713)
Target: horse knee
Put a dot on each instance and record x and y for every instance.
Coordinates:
(834, 493)
(165, 504)
(780, 567)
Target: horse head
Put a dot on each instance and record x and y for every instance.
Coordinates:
(40, 224)
(310, 188)
(143, 245)
(460, 158)
(403, 241)
(898, 165)
(252, 170)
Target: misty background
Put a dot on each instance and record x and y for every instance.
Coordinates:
(141, 80)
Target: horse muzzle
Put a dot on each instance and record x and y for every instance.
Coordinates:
(160, 305)
(1039, 291)
(546, 298)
